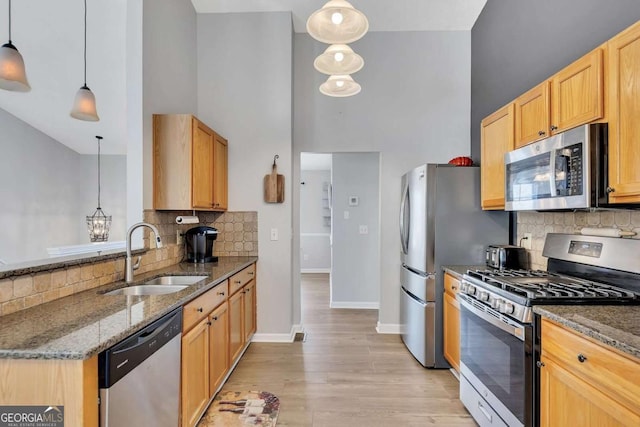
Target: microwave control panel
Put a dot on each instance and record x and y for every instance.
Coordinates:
(569, 170)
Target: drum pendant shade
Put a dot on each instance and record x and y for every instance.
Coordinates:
(338, 22)
(338, 59)
(340, 86)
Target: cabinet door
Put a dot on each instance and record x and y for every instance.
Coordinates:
(452, 330)
(496, 140)
(236, 327)
(202, 179)
(195, 373)
(565, 400)
(249, 310)
(577, 93)
(624, 125)
(220, 180)
(218, 346)
(532, 115)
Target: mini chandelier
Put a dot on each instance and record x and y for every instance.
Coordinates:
(340, 86)
(99, 224)
(84, 105)
(13, 76)
(339, 59)
(337, 22)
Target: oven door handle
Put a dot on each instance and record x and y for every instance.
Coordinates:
(516, 331)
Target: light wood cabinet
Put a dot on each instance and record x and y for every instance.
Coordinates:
(189, 164)
(624, 125)
(195, 373)
(249, 307)
(451, 321)
(585, 383)
(242, 310)
(573, 96)
(496, 140)
(236, 325)
(218, 346)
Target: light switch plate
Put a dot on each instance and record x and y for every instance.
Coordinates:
(274, 234)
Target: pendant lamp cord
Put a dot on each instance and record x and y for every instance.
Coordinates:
(9, 21)
(85, 48)
(99, 138)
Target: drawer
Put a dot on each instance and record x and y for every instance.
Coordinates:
(200, 307)
(451, 284)
(241, 278)
(601, 366)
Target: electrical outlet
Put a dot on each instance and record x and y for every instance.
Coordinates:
(364, 229)
(526, 240)
(305, 257)
(346, 214)
(178, 237)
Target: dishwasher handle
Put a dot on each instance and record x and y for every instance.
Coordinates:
(119, 360)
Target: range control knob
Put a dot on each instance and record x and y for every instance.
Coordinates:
(483, 296)
(463, 287)
(507, 308)
(471, 290)
(495, 303)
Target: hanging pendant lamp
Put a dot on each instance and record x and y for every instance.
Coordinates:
(340, 86)
(99, 224)
(84, 105)
(339, 59)
(338, 22)
(13, 75)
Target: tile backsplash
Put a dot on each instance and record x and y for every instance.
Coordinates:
(541, 223)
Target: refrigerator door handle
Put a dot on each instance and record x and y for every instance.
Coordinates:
(403, 226)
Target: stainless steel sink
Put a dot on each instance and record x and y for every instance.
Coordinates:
(175, 280)
(147, 290)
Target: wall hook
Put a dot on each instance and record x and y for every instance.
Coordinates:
(276, 157)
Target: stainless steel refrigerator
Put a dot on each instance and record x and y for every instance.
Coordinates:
(441, 223)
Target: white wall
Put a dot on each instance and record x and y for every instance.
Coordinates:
(315, 221)
(355, 282)
(169, 70)
(414, 108)
(244, 93)
(47, 189)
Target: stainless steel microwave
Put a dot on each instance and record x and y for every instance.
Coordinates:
(564, 171)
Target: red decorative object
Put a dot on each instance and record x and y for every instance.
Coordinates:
(461, 161)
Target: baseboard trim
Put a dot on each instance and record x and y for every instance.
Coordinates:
(284, 338)
(388, 328)
(315, 270)
(355, 305)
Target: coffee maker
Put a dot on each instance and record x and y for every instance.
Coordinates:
(199, 243)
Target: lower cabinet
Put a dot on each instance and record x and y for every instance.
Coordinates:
(236, 331)
(451, 321)
(249, 307)
(195, 373)
(584, 383)
(218, 346)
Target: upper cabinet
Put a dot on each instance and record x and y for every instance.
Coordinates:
(189, 164)
(496, 139)
(572, 97)
(624, 123)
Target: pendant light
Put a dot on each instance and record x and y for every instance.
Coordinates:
(339, 59)
(337, 22)
(84, 105)
(99, 224)
(13, 76)
(340, 86)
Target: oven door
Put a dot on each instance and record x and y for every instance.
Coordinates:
(496, 359)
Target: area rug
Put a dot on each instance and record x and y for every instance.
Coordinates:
(242, 408)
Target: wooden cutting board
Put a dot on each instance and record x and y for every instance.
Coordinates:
(274, 186)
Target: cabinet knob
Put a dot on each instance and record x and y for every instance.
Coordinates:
(554, 127)
(453, 288)
(611, 190)
(209, 323)
(539, 364)
(215, 317)
(541, 133)
(221, 293)
(250, 273)
(237, 281)
(582, 358)
(199, 310)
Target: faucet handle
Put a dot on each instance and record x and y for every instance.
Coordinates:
(137, 264)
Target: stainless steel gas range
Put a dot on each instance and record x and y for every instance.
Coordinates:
(499, 333)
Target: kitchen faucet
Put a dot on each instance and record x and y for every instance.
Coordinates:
(129, 267)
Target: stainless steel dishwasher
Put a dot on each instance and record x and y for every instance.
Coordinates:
(140, 376)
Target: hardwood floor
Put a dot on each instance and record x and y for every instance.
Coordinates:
(346, 374)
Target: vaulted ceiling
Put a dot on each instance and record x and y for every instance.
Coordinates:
(49, 34)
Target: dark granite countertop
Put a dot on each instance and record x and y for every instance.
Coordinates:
(459, 270)
(614, 325)
(82, 325)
